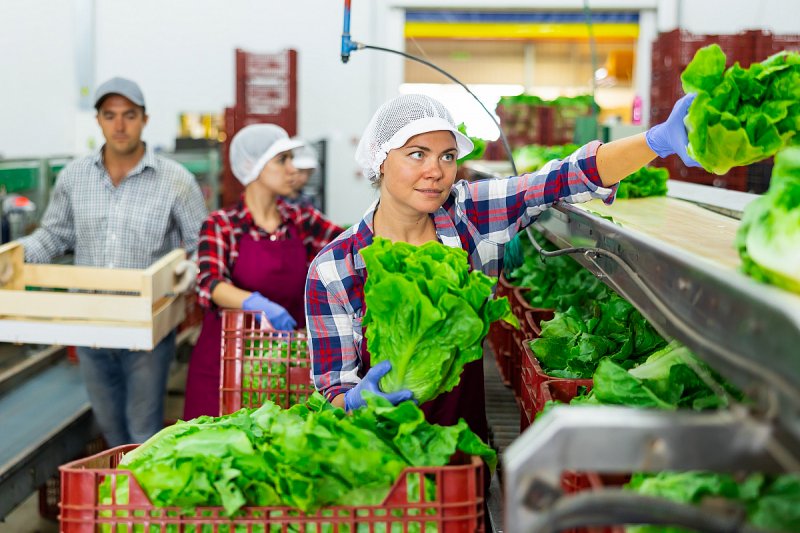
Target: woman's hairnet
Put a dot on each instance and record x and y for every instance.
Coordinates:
(253, 146)
(396, 121)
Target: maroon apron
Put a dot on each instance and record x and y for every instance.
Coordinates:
(276, 269)
(467, 400)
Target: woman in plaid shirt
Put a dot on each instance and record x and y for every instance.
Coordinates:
(409, 152)
(254, 256)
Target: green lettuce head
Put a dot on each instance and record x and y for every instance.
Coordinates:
(768, 239)
(740, 116)
(427, 314)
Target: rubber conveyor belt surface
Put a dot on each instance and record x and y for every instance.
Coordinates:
(44, 422)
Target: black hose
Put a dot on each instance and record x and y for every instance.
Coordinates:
(616, 507)
(455, 80)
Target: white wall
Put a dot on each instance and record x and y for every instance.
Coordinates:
(182, 53)
(732, 16)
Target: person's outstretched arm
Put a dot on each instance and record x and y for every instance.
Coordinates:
(621, 158)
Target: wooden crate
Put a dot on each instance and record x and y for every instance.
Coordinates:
(88, 306)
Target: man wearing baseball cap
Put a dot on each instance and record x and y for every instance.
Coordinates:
(123, 206)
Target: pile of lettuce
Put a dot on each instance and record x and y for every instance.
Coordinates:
(577, 340)
(427, 314)
(668, 379)
(306, 457)
(768, 239)
(479, 145)
(740, 116)
(645, 182)
(591, 320)
(583, 101)
(532, 157)
(770, 503)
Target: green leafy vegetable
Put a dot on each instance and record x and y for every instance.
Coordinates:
(667, 379)
(575, 341)
(309, 456)
(532, 157)
(479, 145)
(426, 313)
(740, 116)
(645, 182)
(768, 239)
(771, 503)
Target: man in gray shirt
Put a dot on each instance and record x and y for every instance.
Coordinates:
(122, 207)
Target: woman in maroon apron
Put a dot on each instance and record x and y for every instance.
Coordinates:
(254, 256)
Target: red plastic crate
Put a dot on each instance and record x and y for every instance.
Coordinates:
(504, 288)
(572, 482)
(767, 44)
(532, 379)
(457, 506)
(259, 363)
(735, 179)
(560, 390)
(50, 492)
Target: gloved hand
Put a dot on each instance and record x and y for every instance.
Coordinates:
(276, 314)
(353, 398)
(186, 272)
(670, 137)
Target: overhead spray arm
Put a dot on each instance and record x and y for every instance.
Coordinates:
(347, 44)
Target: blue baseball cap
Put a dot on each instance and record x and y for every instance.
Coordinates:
(122, 87)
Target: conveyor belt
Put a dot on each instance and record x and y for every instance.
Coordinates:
(503, 415)
(677, 263)
(44, 422)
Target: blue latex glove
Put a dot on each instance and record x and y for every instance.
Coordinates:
(670, 137)
(276, 314)
(353, 399)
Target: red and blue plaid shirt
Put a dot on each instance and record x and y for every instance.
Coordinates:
(218, 247)
(479, 217)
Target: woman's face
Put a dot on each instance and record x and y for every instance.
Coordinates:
(419, 175)
(278, 174)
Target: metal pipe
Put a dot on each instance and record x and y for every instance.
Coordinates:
(616, 507)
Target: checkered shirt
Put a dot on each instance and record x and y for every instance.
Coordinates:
(156, 208)
(219, 240)
(479, 217)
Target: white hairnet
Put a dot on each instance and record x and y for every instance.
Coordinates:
(253, 146)
(396, 121)
(305, 157)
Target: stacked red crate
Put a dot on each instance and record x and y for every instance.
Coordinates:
(266, 93)
(672, 52)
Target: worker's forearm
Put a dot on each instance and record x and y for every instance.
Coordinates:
(620, 158)
(227, 296)
(338, 401)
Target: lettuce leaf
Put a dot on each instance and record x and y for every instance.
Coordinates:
(768, 239)
(740, 116)
(769, 502)
(426, 313)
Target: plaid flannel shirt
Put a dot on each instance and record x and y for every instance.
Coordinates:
(219, 240)
(155, 209)
(479, 217)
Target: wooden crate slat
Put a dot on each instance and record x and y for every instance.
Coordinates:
(68, 305)
(12, 256)
(82, 277)
(158, 280)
